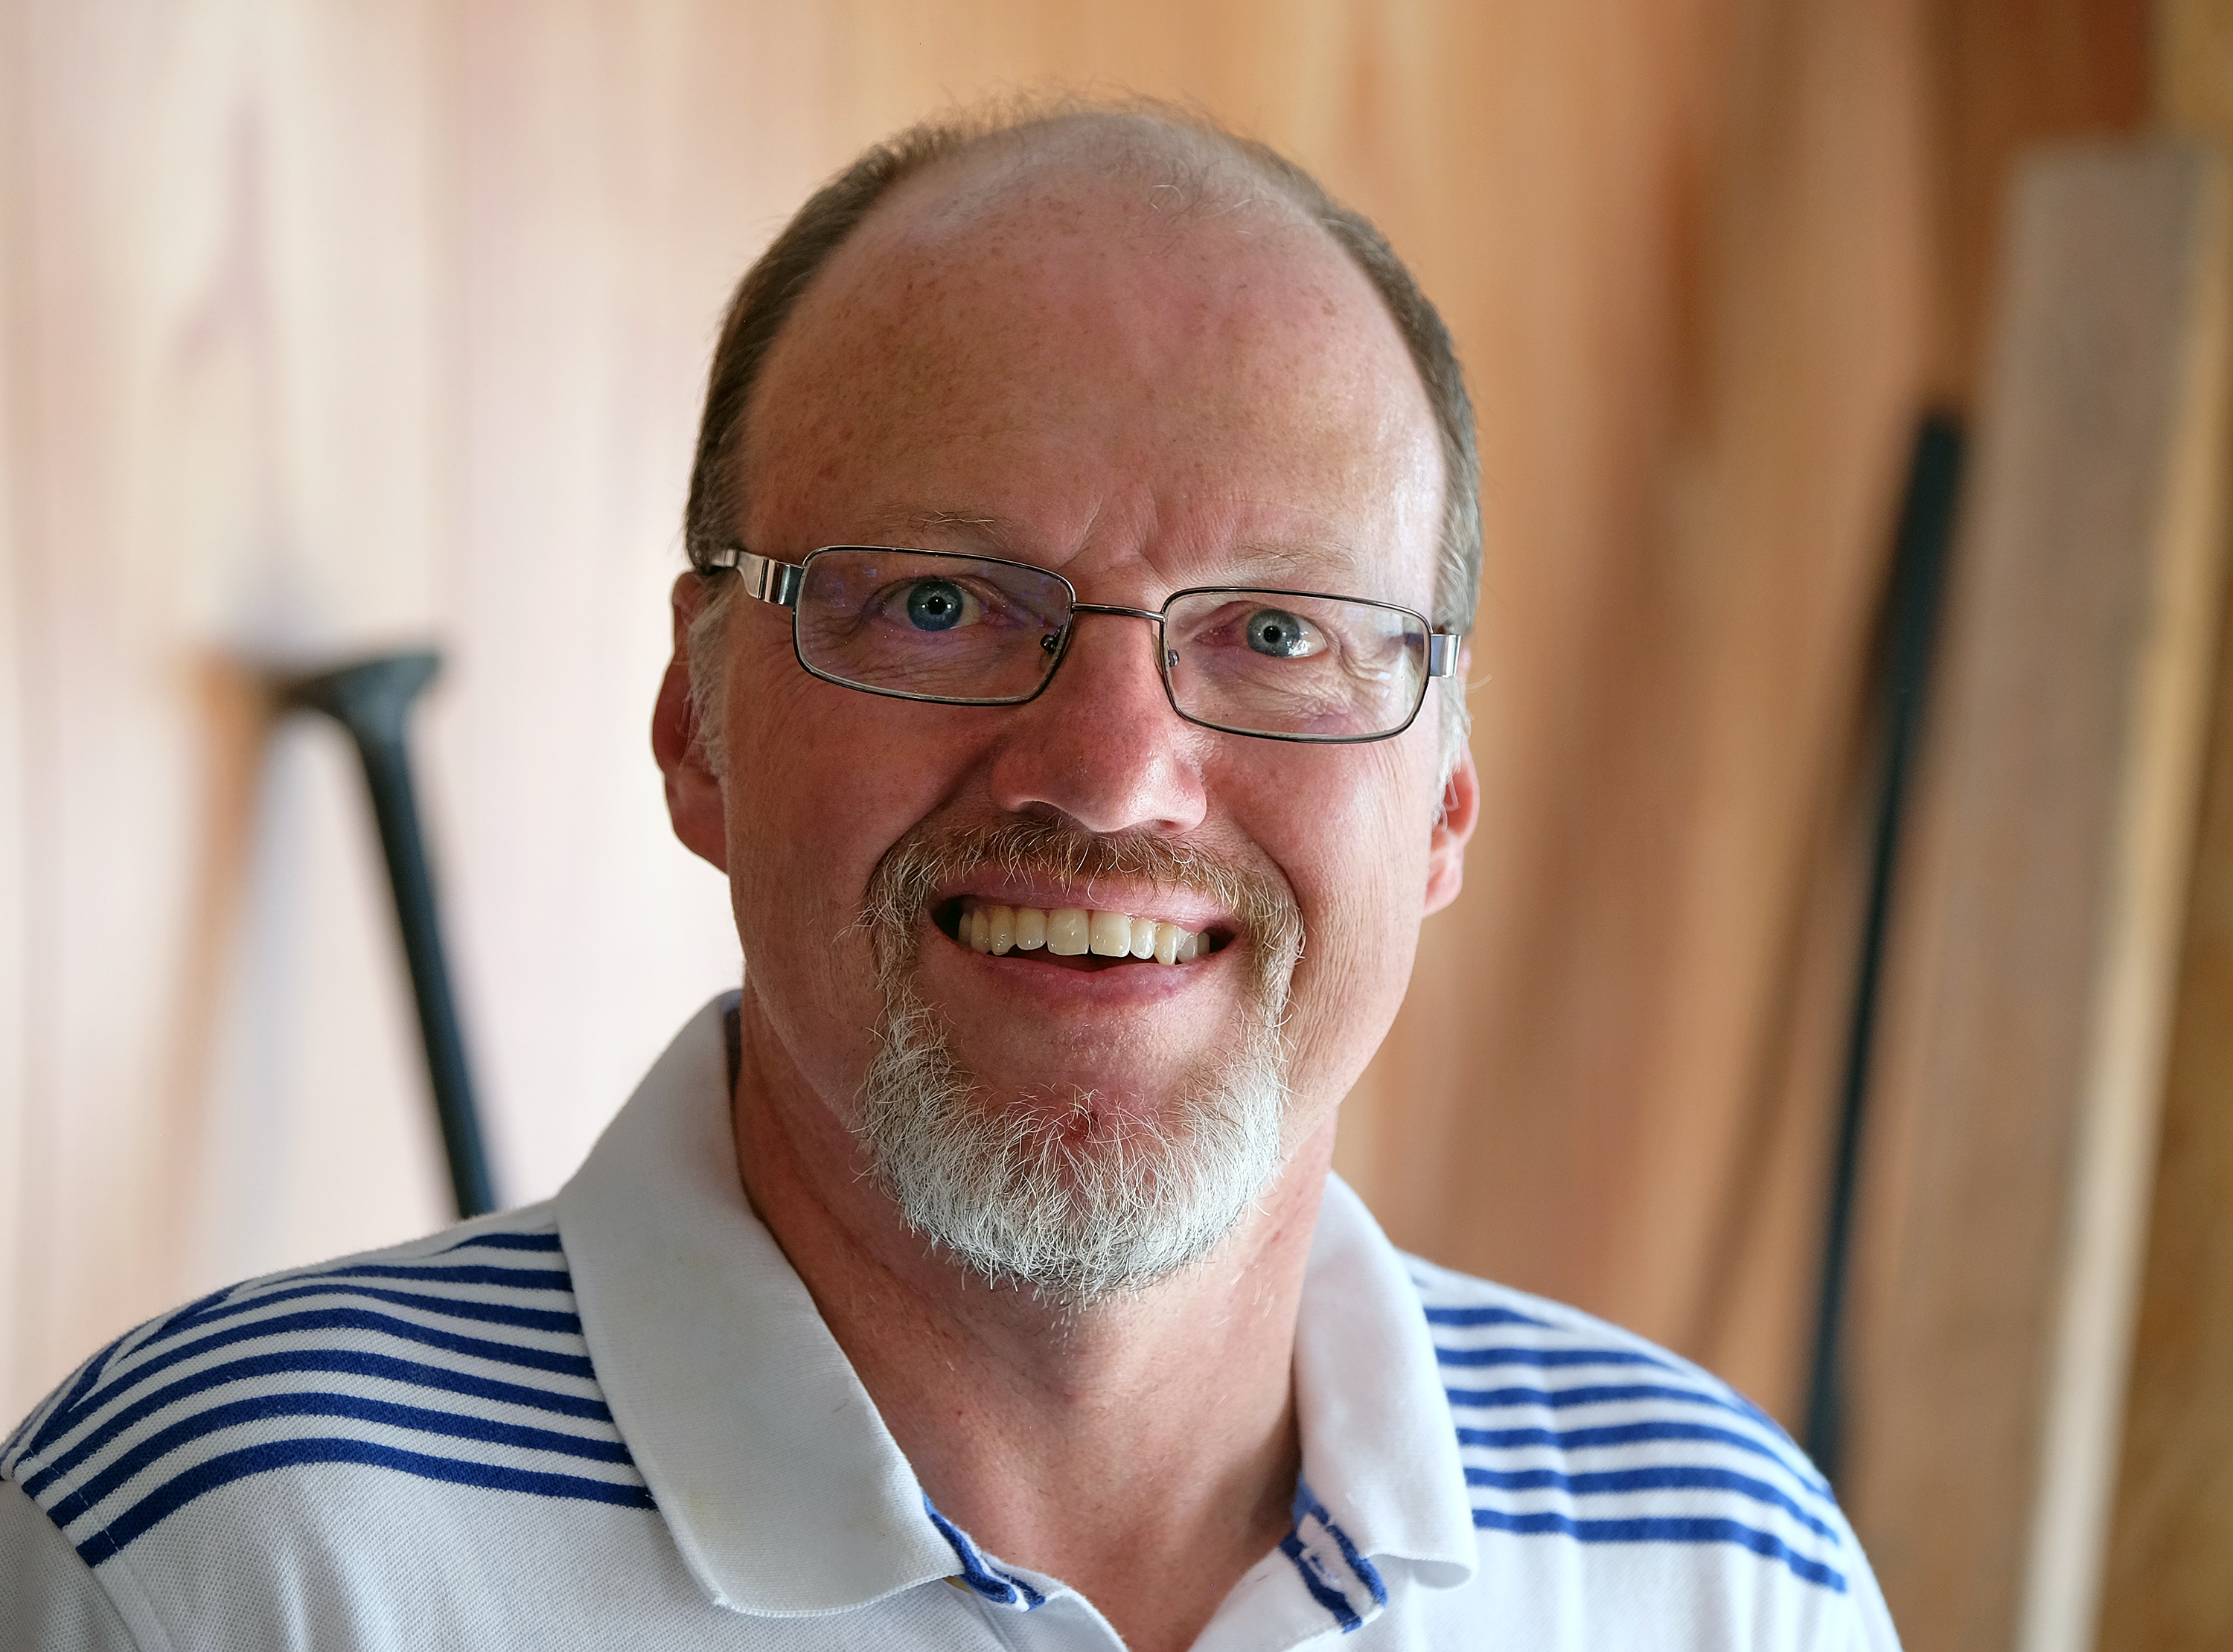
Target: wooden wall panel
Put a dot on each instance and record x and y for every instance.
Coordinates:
(271, 411)
(2036, 941)
(2167, 1587)
(189, 299)
(2006, 76)
(15, 1114)
(618, 166)
(1625, 1040)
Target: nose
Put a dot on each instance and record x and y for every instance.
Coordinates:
(1101, 745)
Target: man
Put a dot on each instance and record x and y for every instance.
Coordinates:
(975, 1277)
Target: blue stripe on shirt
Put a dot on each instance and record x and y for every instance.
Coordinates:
(1630, 1434)
(1483, 1316)
(555, 1321)
(262, 1408)
(1660, 1477)
(1307, 1503)
(1549, 1356)
(245, 1298)
(173, 1494)
(979, 1573)
(66, 1417)
(1332, 1599)
(505, 1242)
(1664, 1529)
(1592, 1394)
(337, 1361)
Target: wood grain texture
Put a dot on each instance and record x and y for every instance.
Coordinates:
(2036, 941)
(15, 1114)
(2193, 65)
(2168, 1587)
(223, 438)
(2006, 76)
(1625, 1022)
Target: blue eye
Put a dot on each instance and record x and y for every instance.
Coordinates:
(1281, 634)
(935, 605)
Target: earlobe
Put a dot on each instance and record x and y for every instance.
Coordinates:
(1454, 824)
(694, 805)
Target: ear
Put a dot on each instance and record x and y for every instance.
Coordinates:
(694, 792)
(1461, 810)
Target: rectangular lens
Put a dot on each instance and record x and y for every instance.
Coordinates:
(1277, 662)
(965, 629)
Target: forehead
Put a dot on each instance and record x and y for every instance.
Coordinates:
(1055, 358)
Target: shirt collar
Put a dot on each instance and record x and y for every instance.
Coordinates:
(1380, 1454)
(784, 1489)
(785, 1492)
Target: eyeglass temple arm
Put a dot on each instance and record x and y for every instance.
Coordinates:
(778, 583)
(764, 577)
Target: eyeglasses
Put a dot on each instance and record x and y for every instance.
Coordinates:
(982, 631)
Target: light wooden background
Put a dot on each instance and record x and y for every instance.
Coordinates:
(324, 325)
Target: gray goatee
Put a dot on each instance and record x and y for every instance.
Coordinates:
(1079, 1201)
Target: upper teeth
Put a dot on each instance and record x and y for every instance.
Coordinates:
(1070, 932)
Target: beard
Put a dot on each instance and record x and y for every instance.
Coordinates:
(1061, 1193)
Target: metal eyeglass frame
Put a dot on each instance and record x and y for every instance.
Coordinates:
(779, 584)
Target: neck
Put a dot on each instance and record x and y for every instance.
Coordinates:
(1152, 1435)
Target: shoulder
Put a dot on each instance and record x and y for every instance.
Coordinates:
(453, 1362)
(1652, 1476)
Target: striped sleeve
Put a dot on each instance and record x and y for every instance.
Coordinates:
(1572, 1431)
(458, 1359)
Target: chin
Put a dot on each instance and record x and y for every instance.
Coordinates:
(1058, 1191)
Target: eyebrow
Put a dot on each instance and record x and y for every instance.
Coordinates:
(998, 535)
(1258, 564)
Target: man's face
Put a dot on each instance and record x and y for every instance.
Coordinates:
(1054, 371)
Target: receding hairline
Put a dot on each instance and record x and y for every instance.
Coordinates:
(1049, 174)
(1186, 165)
(1103, 187)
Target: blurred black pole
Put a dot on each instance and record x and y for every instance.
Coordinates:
(372, 699)
(1926, 523)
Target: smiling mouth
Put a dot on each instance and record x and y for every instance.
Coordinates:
(1074, 937)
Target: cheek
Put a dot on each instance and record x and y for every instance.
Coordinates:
(1356, 859)
(822, 782)
(819, 785)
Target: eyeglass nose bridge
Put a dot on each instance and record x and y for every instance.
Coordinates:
(1108, 608)
(1057, 644)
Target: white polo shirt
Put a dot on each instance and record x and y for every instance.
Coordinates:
(615, 1420)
